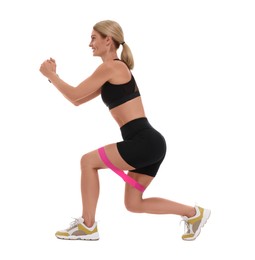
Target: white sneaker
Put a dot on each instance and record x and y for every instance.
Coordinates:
(194, 224)
(79, 231)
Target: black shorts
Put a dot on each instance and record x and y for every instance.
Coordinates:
(143, 147)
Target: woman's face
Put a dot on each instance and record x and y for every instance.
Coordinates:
(98, 44)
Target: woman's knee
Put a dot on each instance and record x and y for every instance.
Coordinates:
(133, 204)
(92, 160)
(87, 161)
(84, 160)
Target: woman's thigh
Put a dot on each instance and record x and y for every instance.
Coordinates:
(93, 159)
(115, 158)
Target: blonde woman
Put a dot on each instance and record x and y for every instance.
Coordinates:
(142, 149)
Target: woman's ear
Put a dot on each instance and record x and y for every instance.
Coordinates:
(108, 40)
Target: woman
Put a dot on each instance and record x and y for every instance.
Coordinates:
(140, 153)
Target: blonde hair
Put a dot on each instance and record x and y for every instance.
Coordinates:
(113, 29)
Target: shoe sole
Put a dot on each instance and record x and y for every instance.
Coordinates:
(206, 215)
(92, 237)
(82, 239)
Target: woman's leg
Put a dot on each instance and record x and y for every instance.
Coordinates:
(90, 164)
(135, 202)
(89, 186)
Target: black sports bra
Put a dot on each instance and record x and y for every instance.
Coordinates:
(114, 95)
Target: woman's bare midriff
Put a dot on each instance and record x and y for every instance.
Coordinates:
(128, 111)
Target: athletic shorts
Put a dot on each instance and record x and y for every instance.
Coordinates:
(143, 147)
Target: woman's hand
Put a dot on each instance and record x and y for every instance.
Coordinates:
(48, 68)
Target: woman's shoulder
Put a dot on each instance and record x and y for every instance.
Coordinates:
(114, 69)
(106, 66)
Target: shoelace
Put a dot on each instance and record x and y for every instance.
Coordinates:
(186, 225)
(74, 223)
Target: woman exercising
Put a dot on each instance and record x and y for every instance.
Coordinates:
(142, 149)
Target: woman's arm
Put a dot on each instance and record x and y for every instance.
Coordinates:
(86, 90)
(88, 98)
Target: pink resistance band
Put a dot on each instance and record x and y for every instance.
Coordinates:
(121, 173)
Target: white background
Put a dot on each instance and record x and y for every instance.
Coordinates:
(194, 64)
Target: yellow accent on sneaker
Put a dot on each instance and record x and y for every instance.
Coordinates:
(59, 233)
(87, 231)
(193, 220)
(187, 236)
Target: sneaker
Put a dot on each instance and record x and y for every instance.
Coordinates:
(79, 231)
(194, 224)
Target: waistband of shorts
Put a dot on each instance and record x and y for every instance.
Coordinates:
(134, 126)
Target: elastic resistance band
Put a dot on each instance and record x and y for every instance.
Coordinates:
(121, 173)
